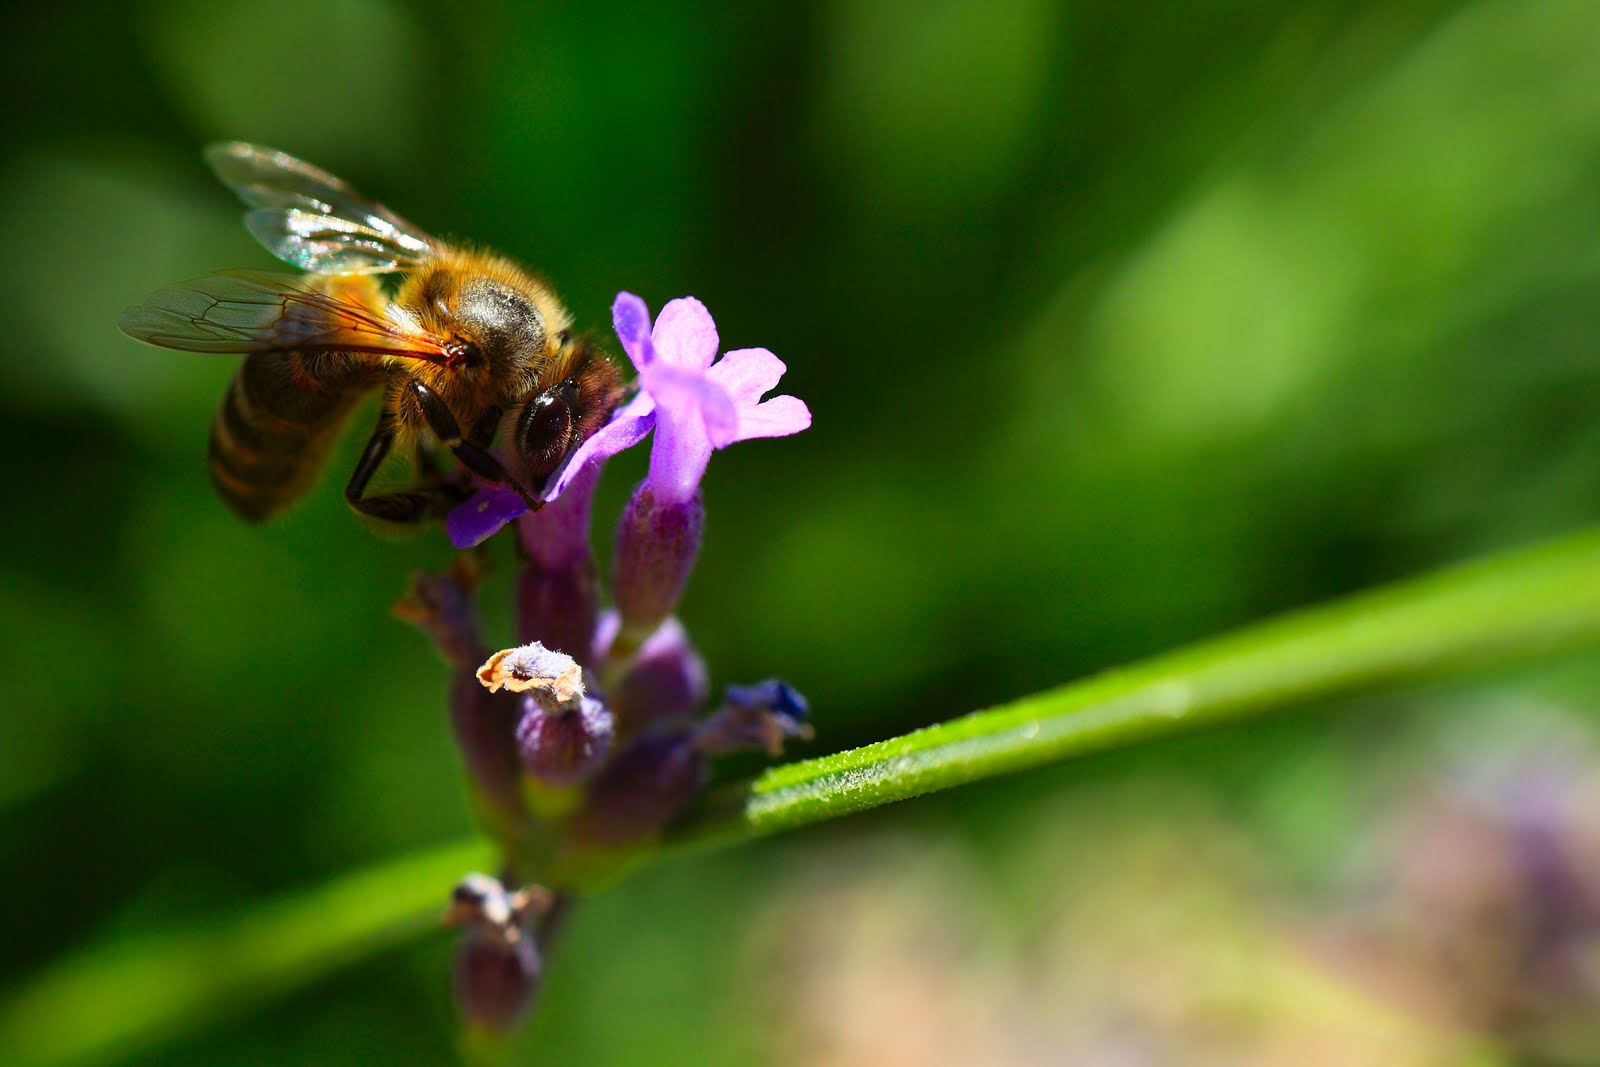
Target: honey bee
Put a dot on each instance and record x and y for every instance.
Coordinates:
(467, 350)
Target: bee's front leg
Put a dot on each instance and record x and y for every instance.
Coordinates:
(473, 456)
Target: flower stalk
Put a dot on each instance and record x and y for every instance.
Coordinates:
(590, 736)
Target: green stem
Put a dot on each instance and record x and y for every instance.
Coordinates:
(1513, 608)
(1494, 612)
(126, 994)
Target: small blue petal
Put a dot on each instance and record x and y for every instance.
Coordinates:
(772, 695)
(484, 513)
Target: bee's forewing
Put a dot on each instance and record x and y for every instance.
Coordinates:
(261, 311)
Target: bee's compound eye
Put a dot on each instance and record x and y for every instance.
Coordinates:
(545, 430)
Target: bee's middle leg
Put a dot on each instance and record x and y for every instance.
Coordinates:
(406, 506)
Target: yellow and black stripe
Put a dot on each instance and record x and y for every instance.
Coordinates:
(277, 422)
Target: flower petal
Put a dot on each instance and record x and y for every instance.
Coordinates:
(627, 428)
(691, 395)
(678, 457)
(682, 447)
(746, 374)
(630, 317)
(778, 417)
(483, 513)
(685, 335)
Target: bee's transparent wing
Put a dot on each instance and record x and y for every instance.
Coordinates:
(261, 311)
(307, 217)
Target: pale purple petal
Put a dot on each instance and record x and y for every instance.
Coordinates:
(630, 317)
(685, 335)
(679, 455)
(778, 417)
(627, 428)
(701, 405)
(483, 513)
(746, 374)
(689, 392)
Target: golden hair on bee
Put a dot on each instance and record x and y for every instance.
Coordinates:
(470, 349)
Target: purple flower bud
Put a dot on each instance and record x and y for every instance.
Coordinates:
(650, 783)
(657, 542)
(556, 537)
(561, 747)
(666, 680)
(496, 981)
(558, 608)
(759, 716)
(484, 724)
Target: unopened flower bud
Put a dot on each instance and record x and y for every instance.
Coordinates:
(485, 726)
(563, 746)
(657, 543)
(495, 981)
(666, 680)
(556, 537)
(645, 787)
(558, 608)
(498, 964)
(558, 592)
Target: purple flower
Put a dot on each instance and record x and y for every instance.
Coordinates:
(700, 405)
(695, 403)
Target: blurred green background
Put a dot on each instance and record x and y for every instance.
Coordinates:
(1121, 325)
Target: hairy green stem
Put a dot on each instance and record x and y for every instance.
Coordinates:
(1498, 611)
(128, 993)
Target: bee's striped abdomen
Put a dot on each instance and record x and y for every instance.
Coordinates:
(278, 419)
